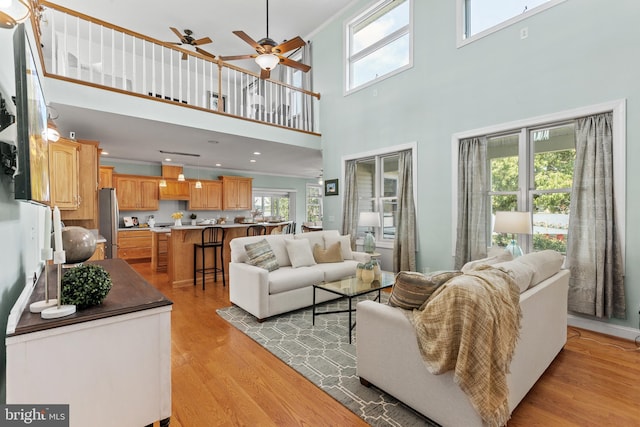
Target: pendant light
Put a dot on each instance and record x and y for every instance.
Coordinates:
(198, 183)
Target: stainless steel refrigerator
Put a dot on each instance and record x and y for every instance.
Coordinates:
(109, 220)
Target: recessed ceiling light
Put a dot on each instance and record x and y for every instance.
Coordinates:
(257, 153)
(167, 159)
(218, 164)
(104, 153)
(252, 160)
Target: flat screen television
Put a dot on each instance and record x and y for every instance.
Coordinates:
(31, 179)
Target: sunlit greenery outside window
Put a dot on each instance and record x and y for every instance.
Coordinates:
(377, 181)
(272, 204)
(379, 42)
(532, 170)
(314, 203)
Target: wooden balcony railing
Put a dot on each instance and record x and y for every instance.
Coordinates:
(87, 50)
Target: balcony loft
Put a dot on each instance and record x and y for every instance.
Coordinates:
(94, 66)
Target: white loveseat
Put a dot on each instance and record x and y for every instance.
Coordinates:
(388, 356)
(265, 294)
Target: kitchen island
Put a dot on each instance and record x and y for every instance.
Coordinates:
(179, 248)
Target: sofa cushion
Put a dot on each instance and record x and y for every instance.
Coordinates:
(238, 252)
(521, 272)
(411, 289)
(317, 237)
(337, 270)
(299, 253)
(333, 253)
(289, 278)
(501, 256)
(261, 255)
(345, 244)
(544, 264)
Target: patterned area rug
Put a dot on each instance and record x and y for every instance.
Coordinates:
(323, 355)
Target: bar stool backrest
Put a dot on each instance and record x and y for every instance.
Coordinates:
(256, 230)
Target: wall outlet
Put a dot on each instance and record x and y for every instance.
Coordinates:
(524, 32)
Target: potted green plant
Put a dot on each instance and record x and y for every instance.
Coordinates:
(193, 217)
(85, 285)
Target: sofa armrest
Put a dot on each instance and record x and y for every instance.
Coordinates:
(249, 288)
(361, 256)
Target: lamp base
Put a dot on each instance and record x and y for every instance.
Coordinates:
(55, 312)
(369, 243)
(39, 306)
(514, 249)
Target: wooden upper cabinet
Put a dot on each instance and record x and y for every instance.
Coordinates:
(136, 192)
(175, 190)
(236, 193)
(209, 197)
(106, 177)
(63, 174)
(87, 183)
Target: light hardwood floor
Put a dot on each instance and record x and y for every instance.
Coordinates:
(222, 378)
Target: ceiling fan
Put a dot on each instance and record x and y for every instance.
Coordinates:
(186, 38)
(269, 53)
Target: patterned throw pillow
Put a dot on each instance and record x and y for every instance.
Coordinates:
(333, 253)
(261, 255)
(411, 289)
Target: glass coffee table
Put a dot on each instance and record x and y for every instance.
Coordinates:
(351, 287)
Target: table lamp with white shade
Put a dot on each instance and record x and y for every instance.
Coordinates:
(514, 223)
(369, 219)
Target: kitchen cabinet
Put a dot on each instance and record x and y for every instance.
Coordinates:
(63, 173)
(159, 250)
(87, 199)
(136, 192)
(106, 177)
(134, 244)
(209, 197)
(236, 193)
(174, 190)
(98, 255)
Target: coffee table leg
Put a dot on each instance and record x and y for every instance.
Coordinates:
(349, 328)
(313, 318)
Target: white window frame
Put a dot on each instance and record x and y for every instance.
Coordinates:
(355, 20)
(461, 21)
(413, 146)
(277, 192)
(306, 201)
(618, 107)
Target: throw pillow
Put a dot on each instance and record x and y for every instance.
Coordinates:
(411, 289)
(261, 255)
(333, 253)
(345, 244)
(544, 264)
(521, 272)
(502, 256)
(299, 253)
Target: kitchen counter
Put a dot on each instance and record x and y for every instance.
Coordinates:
(180, 241)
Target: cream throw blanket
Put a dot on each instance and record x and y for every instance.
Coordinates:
(471, 325)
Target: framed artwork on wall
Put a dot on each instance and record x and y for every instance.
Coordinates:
(331, 187)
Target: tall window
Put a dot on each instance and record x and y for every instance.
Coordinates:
(378, 192)
(487, 16)
(379, 42)
(314, 203)
(539, 161)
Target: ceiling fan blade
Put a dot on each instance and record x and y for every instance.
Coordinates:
(233, 58)
(264, 74)
(177, 33)
(248, 39)
(204, 52)
(294, 43)
(294, 64)
(204, 40)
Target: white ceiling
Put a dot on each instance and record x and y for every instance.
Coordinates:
(206, 18)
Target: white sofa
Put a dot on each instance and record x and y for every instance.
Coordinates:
(388, 356)
(265, 294)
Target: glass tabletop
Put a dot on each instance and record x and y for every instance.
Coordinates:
(352, 286)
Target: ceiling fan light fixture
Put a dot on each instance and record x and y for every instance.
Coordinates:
(267, 61)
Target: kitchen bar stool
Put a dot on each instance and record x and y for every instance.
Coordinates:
(212, 237)
(256, 230)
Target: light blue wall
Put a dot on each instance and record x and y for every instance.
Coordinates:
(577, 54)
(20, 225)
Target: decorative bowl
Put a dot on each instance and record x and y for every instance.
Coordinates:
(78, 243)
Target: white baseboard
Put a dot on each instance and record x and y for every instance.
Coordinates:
(603, 328)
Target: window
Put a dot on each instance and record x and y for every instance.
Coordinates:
(482, 17)
(542, 161)
(377, 181)
(314, 203)
(379, 42)
(272, 204)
